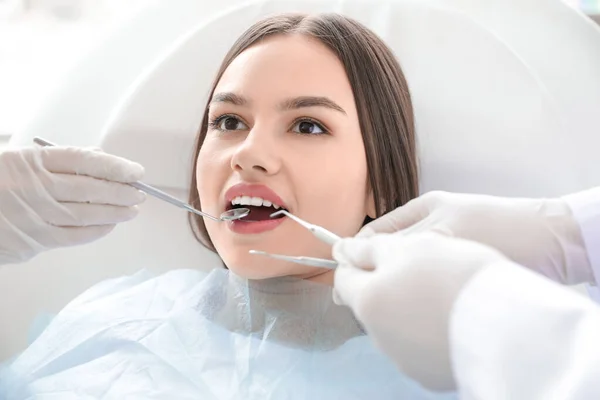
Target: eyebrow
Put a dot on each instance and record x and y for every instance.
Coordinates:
(289, 104)
(228, 97)
(311, 101)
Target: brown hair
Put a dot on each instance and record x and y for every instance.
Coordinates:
(381, 95)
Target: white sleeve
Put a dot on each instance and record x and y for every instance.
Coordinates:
(586, 209)
(516, 335)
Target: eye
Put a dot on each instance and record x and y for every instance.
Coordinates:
(308, 127)
(228, 123)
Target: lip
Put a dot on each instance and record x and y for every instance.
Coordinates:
(253, 190)
(254, 227)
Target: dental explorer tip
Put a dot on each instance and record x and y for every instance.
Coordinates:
(276, 213)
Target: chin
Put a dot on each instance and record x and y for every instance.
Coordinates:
(288, 239)
(259, 267)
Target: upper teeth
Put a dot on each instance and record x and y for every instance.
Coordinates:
(252, 201)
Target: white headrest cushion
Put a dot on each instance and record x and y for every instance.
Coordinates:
(500, 108)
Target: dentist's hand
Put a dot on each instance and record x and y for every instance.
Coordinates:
(405, 300)
(58, 196)
(540, 234)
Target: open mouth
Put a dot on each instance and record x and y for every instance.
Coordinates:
(260, 209)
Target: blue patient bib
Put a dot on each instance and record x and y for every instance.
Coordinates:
(188, 335)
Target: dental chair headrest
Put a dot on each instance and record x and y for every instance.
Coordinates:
(506, 93)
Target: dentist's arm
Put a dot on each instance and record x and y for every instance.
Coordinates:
(559, 238)
(59, 196)
(457, 314)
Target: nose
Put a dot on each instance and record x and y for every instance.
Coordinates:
(256, 156)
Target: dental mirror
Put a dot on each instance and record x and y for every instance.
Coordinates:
(234, 214)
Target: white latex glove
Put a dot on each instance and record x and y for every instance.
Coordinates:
(541, 234)
(405, 299)
(57, 196)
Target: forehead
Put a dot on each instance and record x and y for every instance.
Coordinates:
(287, 66)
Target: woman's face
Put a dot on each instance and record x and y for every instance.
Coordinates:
(283, 131)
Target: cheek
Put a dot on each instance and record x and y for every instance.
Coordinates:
(211, 172)
(209, 178)
(341, 183)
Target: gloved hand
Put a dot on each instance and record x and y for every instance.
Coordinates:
(402, 288)
(57, 196)
(540, 234)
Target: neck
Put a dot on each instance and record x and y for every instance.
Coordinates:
(290, 310)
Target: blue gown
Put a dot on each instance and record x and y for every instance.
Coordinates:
(190, 335)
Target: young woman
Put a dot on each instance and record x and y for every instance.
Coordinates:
(312, 114)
